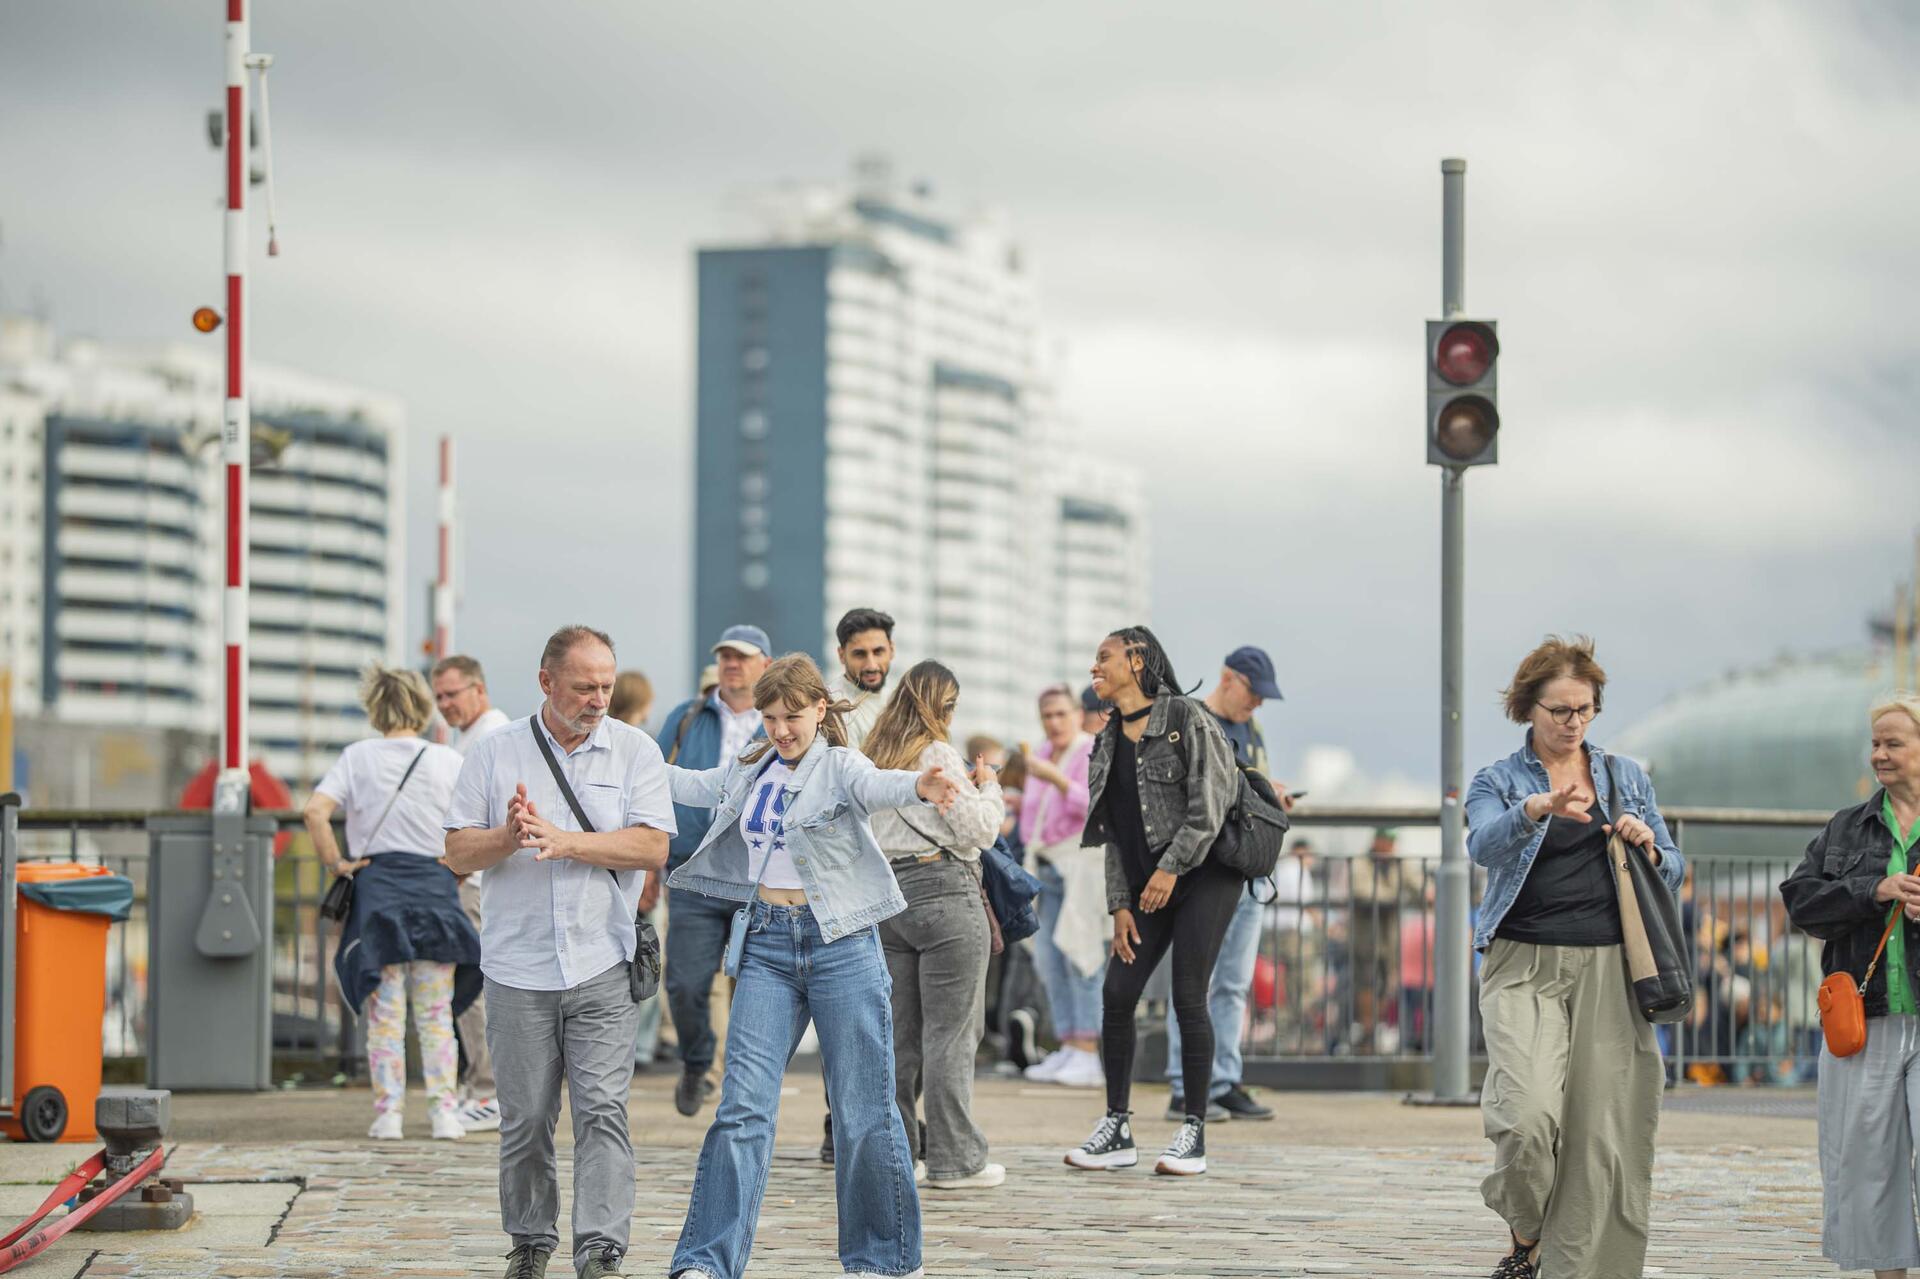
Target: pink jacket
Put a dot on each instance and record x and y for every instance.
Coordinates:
(1066, 814)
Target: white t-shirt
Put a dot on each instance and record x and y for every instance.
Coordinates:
(363, 779)
(762, 827)
(470, 736)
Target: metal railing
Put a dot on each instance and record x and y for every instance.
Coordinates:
(313, 1030)
(1344, 976)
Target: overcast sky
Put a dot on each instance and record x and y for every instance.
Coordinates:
(1695, 224)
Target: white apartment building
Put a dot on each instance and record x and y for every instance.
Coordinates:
(110, 602)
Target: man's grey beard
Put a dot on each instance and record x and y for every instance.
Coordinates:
(583, 725)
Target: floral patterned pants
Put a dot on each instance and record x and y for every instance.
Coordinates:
(431, 986)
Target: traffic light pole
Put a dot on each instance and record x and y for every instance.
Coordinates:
(1453, 942)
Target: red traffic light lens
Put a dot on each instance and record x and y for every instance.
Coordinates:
(1465, 426)
(1465, 352)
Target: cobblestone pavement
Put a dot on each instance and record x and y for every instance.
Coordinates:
(1282, 1200)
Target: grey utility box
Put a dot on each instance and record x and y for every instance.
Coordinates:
(210, 952)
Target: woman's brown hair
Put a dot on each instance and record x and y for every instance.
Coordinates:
(632, 694)
(1556, 658)
(795, 683)
(917, 715)
(395, 700)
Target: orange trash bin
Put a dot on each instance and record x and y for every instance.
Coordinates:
(60, 998)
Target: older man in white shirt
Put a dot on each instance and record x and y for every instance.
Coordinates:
(557, 942)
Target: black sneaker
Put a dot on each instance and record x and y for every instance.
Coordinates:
(1186, 1154)
(1522, 1263)
(603, 1264)
(693, 1089)
(826, 1142)
(1023, 1045)
(1111, 1145)
(1239, 1104)
(1177, 1111)
(528, 1262)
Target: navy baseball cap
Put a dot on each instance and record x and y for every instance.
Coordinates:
(1257, 667)
(750, 640)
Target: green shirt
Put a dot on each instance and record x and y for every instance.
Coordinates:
(1899, 994)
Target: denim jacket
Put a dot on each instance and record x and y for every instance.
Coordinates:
(692, 743)
(832, 793)
(1188, 781)
(1501, 838)
(1829, 895)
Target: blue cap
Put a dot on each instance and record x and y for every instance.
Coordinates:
(750, 640)
(1257, 667)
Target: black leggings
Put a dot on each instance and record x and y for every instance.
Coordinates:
(1192, 925)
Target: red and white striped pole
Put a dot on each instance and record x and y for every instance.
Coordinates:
(236, 430)
(443, 581)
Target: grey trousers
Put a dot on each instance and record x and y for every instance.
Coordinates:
(937, 951)
(584, 1038)
(1869, 1127)
(1571, 1103)
(472, 1023)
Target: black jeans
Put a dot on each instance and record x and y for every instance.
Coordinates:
(697, 928)
(1192, 925)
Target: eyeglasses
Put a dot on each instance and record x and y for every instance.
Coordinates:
(1565, 714)
(452, 693)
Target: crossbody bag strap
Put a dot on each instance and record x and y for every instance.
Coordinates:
(566, 789)
(680, 731)
(377, 826)
(937, 845)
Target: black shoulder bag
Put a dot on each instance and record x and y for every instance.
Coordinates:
(643, 975)
(1256, 823)
(338, 903)
(1655, 945)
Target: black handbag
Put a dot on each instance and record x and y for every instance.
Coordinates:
(643, 975)
(1256, 824)
(1652, 939)
(338, 902)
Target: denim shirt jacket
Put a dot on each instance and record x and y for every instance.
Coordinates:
(1505, 841)
(831, 795)
(1188, 781)
(1829, 895)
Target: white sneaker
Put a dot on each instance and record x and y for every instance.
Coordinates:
(1043, 1071)
(481, 1115)
(1081, 1071)
(919, 1171)
(986, 1179)
(386, 1127)
(446, 1126)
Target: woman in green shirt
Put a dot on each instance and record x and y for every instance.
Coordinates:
(1857, 874)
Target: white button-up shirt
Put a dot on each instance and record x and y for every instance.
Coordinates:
(552, 925)
(736, 728)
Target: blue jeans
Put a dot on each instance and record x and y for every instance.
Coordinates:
(1075, 1000)
(788, 975)
(697, 927)
(1226, 998)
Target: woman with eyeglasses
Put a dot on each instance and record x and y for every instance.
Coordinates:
(1572, 1094)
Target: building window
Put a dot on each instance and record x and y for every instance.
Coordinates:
(753, 485)
(754, 575)
(753, 516)
(755, 543)
(756, 359)
(753, 424)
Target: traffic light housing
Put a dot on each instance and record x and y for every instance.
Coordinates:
(1463, 414)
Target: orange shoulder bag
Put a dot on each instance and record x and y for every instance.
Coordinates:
(1843, 1009)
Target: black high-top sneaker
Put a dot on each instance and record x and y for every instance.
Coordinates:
(1186, 1155)
(1111, 1145)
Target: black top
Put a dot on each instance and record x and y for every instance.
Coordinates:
(1569, 898)
(1125, 823)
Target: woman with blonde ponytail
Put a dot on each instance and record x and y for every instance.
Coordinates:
(790, 840)
(938, 947)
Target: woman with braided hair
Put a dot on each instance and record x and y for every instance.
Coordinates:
(1159, 785)
(938, 947)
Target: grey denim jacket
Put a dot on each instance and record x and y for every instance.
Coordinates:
(832, 793)
(1188, 781)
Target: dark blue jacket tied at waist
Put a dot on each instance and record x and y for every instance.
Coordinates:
(406, 908)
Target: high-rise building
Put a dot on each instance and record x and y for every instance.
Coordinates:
(111, 568)
(877, 427)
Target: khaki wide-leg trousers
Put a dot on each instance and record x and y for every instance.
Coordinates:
(1571, 1103)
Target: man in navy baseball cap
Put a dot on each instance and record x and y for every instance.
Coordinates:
(1253, 665)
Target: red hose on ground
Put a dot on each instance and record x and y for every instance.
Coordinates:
(19, 1249)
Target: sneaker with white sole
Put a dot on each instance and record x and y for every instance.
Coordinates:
(481, 1115)
(446, 1126)
(986, 1179)
(1186, 1154)
(1043, 1071)
(919, 1171)
(1111, 1145)
(386, 1127)
(1083, 1070)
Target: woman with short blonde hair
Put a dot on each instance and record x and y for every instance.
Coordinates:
(1856, 890)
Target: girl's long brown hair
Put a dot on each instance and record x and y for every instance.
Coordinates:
(916, 716)
(795, 683)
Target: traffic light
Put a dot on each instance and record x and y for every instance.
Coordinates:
(1463, 414)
